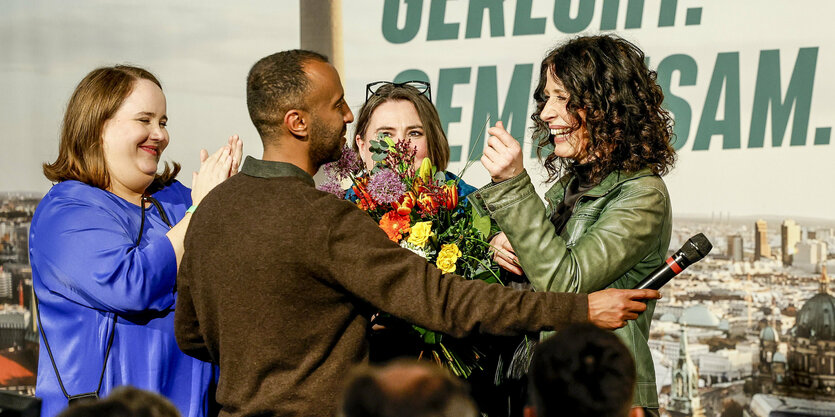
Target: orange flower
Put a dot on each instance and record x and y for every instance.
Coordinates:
(364, 200)
(428, 203)
(394, 225)
(406, 203)
(450, 196)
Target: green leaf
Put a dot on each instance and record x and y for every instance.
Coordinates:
(378, 157)
(481, 223)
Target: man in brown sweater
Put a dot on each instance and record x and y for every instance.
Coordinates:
(279, 279)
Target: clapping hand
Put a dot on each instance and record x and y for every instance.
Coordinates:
(216, 168)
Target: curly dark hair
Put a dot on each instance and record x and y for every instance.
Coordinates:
(607, 77)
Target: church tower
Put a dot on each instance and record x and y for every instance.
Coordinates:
(684, 392)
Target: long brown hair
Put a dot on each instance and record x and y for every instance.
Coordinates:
(608, 78)
(95, 100)
(437, 145)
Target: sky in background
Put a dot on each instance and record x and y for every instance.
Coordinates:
(201, 51)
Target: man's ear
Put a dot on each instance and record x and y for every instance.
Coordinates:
(298, 123)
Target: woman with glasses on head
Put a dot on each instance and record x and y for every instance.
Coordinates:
(605, 138)
(105, 245)
(404, 111)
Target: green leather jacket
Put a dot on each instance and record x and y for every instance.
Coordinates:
(617, 234)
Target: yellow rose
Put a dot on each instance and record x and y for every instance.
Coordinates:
(447, 257)
(421, 231)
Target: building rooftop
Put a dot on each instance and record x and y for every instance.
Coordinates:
(699, 316)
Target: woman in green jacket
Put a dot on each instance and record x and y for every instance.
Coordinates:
(605, 139)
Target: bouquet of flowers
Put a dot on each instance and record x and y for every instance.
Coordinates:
(421, 211)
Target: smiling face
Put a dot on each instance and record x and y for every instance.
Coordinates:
(397, 119)
(134, 138)
(567, 144)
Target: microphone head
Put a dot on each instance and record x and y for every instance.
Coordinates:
(696, 248)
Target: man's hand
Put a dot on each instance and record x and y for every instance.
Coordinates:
(610, 309)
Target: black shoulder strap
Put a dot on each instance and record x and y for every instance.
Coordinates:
(115, 316)
(52, 359)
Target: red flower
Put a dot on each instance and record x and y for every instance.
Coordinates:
(406, 203)
(428, 203)
(395, 225)
(450, 196)
(364, 200)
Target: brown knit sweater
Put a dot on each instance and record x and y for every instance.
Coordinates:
(279, 279)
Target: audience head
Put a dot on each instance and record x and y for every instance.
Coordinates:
(124, 401)
(406, 389)
(583, 371)
(114, 131)
(597, 101)
(401, 111)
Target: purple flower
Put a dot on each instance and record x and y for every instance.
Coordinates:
(333, 188)
(386, 187)
(348, 164)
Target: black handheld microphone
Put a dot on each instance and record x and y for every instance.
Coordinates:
(693, 251)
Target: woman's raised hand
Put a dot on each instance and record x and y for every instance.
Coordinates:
(215, 168)
(237, 147)
(503, 155)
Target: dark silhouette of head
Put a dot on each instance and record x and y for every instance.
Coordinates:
(406, 389)
(583, 371)
(125, 401)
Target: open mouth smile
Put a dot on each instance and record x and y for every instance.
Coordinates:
(560, 131)
(150, 149)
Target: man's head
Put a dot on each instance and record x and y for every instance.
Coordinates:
(124, 401)
(582, 371)
(296, 101)
(406, 389)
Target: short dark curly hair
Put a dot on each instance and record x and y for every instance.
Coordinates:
(607, 77)
(276, 84)
(582, 371)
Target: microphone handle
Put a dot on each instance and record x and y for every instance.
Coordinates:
(664, 273)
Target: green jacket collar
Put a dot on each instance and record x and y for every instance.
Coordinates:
(609, 183)
(274, 169)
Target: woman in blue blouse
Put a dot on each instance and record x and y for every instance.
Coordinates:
(105, 244)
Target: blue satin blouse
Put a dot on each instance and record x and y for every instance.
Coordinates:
(86, 269)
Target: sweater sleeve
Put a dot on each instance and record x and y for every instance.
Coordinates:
(83, 252)
(402, 283)
(186, 325)
(618, 240)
